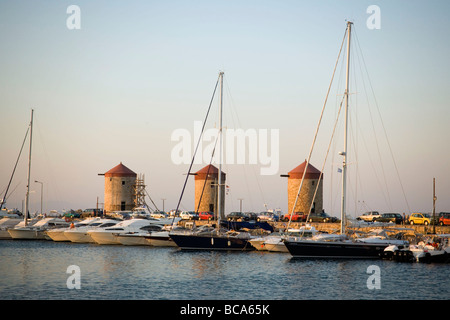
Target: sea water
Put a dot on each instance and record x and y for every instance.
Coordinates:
(42, 270)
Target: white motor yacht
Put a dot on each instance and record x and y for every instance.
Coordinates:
(37, 230)
(161, 238)
(79, 234)
(276, 243)
(58, 234)
(109, 235)
(259, 242)
(432, 251)
(8, 223)
(138, 238)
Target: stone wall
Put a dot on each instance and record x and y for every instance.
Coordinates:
(306, 195)
(118, 190)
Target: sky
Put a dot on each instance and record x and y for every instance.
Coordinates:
(117, 88)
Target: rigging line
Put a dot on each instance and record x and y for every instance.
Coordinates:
(384, 129)
(196, 148)
(238, 122)
(156, 207)
(14, 170)
(207, 173)
(12, 192)
(354, 137)
(325, 160)
(373, 166)
(317, 131)
(253, 169)
(385, 194)
(373, 128)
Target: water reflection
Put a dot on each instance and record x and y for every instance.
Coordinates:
(37, 270)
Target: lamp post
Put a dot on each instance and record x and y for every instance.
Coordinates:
(240, 204)
(42, 191)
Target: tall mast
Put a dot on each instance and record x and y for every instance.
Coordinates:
(29, 170)
(219, 197)
(344, 154)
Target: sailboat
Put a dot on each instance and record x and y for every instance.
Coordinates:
(337, 245)
(213, 237)
(35, 230)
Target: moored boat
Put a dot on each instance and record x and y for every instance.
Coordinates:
(434, 250)
(137, 238)
(109, 235)
(8, 223)
(212, 238)
(37, 230)
(79, 234)
(160, 239)
(58, 234)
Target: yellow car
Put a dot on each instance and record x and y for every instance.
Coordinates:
(420, 218)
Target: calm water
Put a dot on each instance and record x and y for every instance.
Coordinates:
(37, 270)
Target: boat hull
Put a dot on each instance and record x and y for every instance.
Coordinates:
(193, 242)
(79, 237)
(161, 240)
(130, 240)
(104, 238)
(27, 234)
(57, 235)
(432, 256)
(4, 234)
(258, 244)
(276, 247)
(334, 249)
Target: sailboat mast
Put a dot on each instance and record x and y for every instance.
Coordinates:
(219, 197)
(29, 170)
(344, 154)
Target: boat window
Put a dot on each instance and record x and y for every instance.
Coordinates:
(114, 229)
(108, 224)
(95, 224)
(151, 228)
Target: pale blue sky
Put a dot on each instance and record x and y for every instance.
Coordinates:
(138, 70)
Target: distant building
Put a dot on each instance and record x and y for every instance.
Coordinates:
(119, 189)
(206, 181)
(306, 196)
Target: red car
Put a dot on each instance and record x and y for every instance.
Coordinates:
(207, 215)
(444, 219)
(297, 216)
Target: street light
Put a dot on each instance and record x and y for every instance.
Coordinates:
(42, 191)
(240, 206)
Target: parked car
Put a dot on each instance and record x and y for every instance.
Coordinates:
(369, 216)
(268, 216)
(71, 214)
(237, 216)
(174, 212)
(251, 216)
(420, 218)
(159, 214)
(444, 218)
(390, 217)
(321, 217)
(188, 215)
(91, 213)
(206, 215)
(297, 216)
